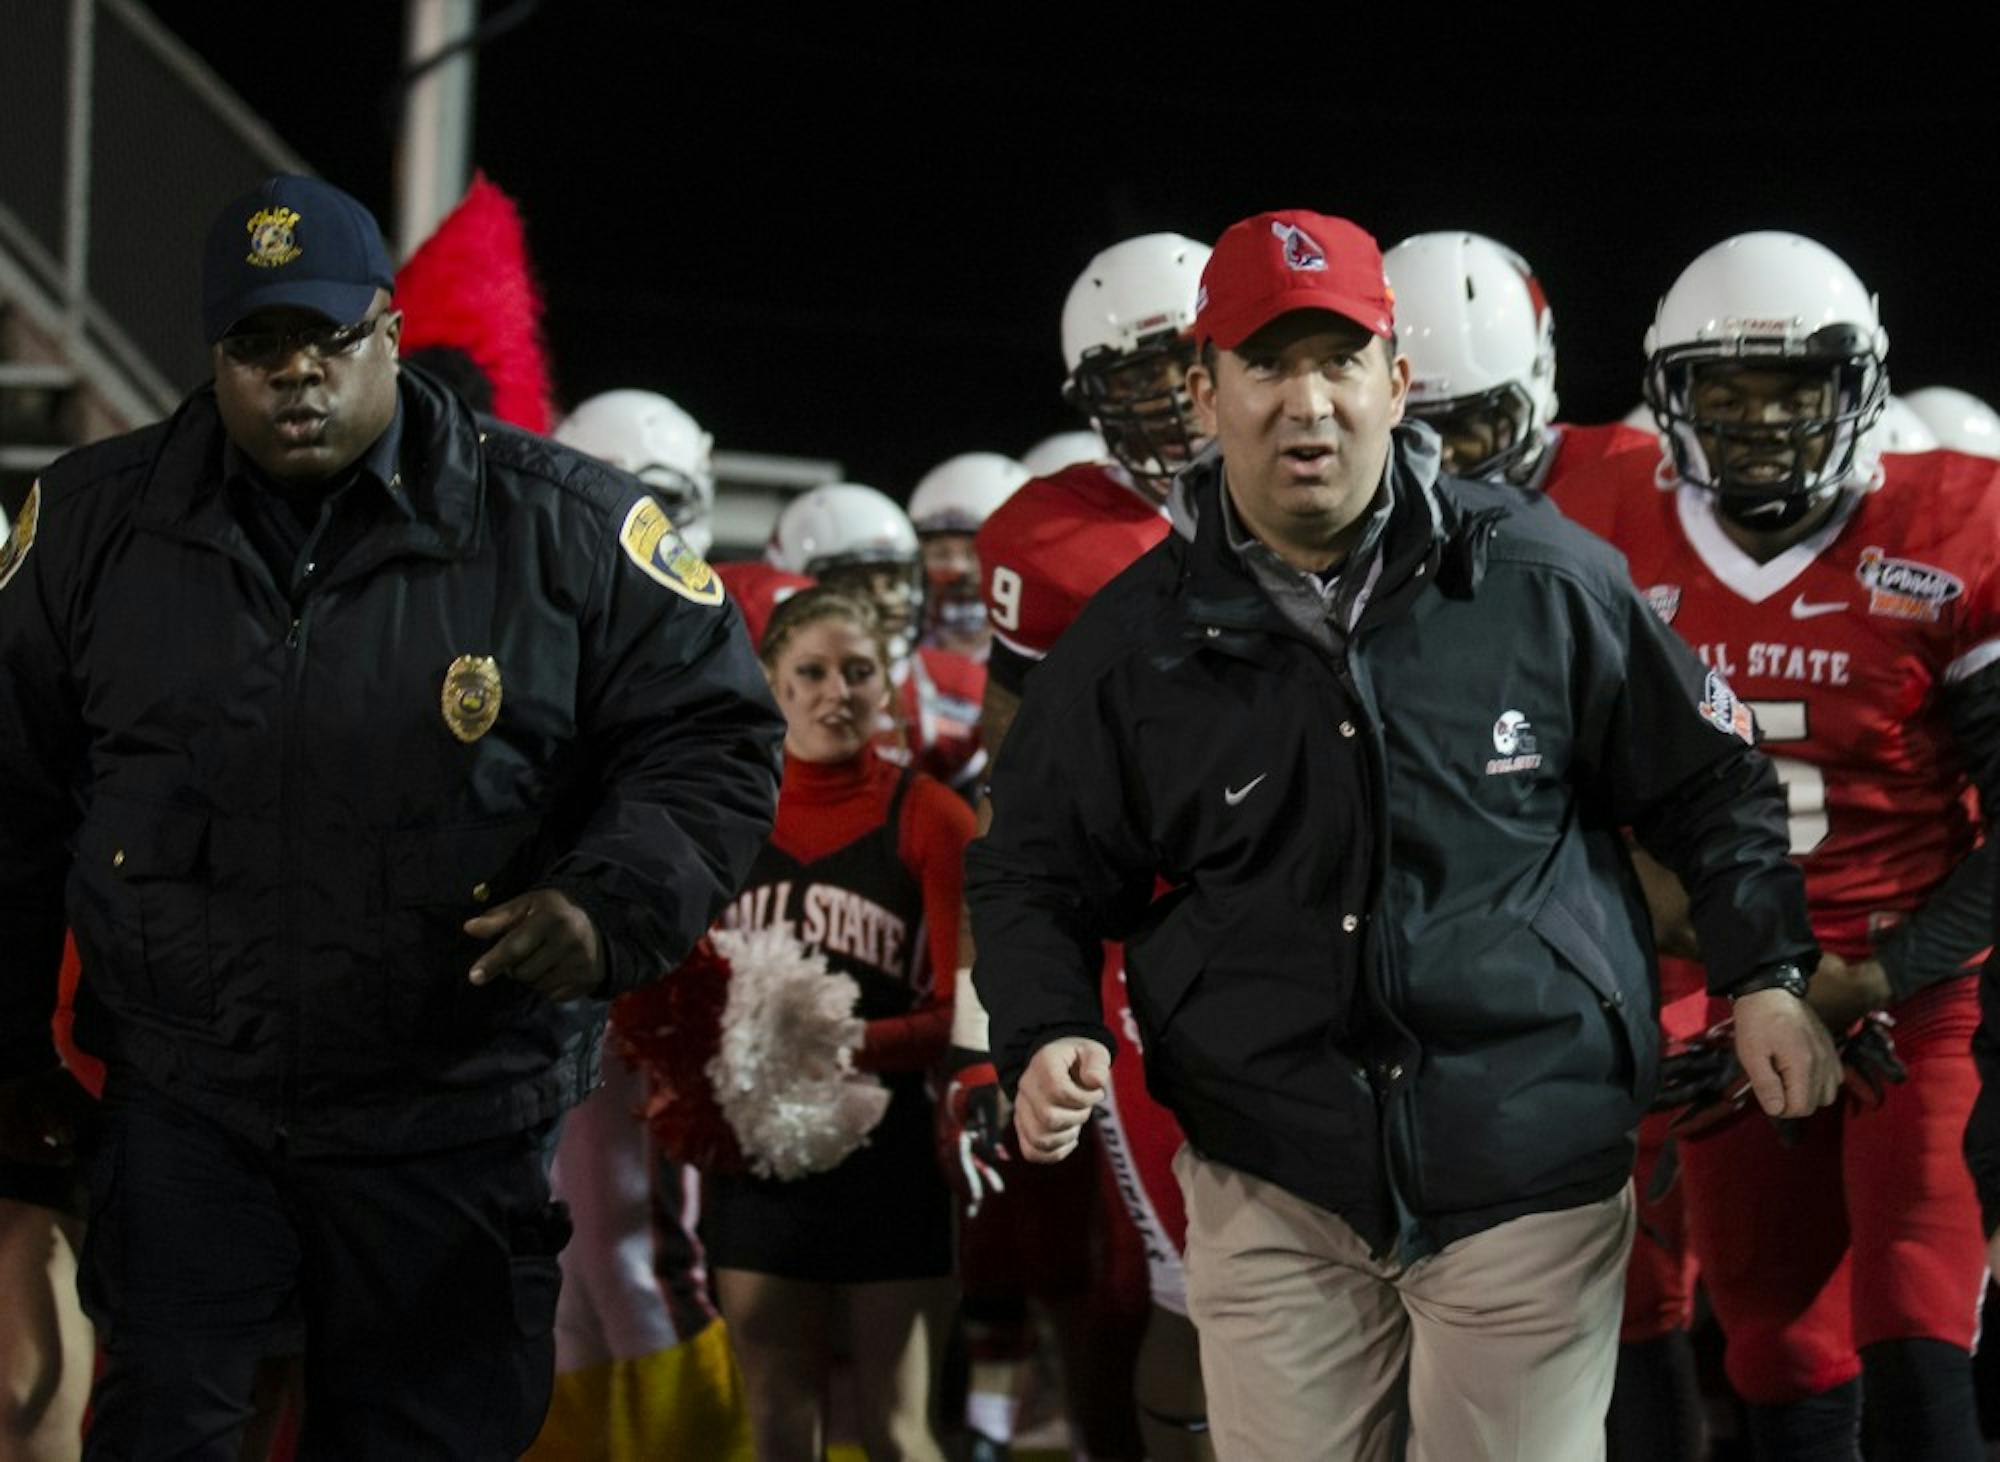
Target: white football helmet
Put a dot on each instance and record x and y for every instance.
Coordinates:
(1472, 318)
(648, 436)
(961, 492)
(1960, 420)
(1128, 339)
(1902, 430)
(947, 508)
(1064, 449)
(854, 538)
(1769, 304)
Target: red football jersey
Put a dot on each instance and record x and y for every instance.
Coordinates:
(758, 588)
(1579, 448)
(1845, 646)
(938, 695)
(1056, 542)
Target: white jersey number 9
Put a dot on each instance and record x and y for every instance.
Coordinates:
(1006, 595)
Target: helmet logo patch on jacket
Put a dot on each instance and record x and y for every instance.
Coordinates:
(650, 541)
(471, 699)
(1514, 739)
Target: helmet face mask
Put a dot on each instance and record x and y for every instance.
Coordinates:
(689, 502)
(1138, 400)
(1489, 435)
(895, 586)
(1771, 427)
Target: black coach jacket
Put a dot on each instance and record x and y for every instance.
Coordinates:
(1404, 971)
(272, 823)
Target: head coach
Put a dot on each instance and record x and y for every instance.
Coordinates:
(1349, 761)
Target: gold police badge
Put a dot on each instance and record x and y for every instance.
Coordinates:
(273, 237)
(14, 552)
(471, 696)
(650, 541)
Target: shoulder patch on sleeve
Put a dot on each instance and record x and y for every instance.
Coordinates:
(649, 540)
(14, 552)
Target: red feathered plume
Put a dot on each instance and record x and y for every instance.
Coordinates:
(469, 287)
(672, 1029)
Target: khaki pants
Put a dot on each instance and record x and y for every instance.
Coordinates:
(1500, 1348)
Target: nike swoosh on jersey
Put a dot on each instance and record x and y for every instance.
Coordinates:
(1234, 795)
(1803, 610)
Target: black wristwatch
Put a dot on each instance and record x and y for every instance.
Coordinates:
(1787, 977)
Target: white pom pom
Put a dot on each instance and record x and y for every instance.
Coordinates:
(784, 1076)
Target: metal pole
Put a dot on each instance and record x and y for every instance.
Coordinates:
(434, 153)
(76, 173)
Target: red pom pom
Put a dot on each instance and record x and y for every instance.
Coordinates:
(672, 1029)
(469, 286)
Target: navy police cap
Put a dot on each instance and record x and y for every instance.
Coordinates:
(292, 241)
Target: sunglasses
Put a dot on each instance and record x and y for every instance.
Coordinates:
(322, 342)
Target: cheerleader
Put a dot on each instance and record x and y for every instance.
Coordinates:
(864, 866)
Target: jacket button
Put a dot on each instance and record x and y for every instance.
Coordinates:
(481, 893)
(1214, 632)
(1395, 1073)
(118, 859)
(1347, 729)
(1350, 922)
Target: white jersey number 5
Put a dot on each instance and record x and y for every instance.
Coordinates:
(1804, 783)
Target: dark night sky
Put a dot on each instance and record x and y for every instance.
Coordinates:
(856, 245)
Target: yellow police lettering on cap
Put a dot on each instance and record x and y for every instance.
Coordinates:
(14, 552)
(273, 238)
(650, 541)
(471, 700)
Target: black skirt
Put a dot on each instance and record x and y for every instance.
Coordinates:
(884, 1213)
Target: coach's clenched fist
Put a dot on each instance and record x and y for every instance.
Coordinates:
(1064, 1083)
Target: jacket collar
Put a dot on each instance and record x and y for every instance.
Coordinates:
(443, 480)
(1426, 531)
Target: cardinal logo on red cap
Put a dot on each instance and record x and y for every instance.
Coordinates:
(1302, 251)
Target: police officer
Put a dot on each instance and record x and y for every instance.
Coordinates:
(376, 745)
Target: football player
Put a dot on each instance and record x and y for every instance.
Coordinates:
(1482, 346)
(1854, 601)
(653, 439)
(853, 538)
(947, 507)
(1127, 341)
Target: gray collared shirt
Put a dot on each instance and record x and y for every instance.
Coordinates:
(1322, 606)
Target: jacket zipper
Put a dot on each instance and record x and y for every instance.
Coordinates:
(296, 639)
(1401, 1161)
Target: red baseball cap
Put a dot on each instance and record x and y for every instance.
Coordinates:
(1275, 263)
